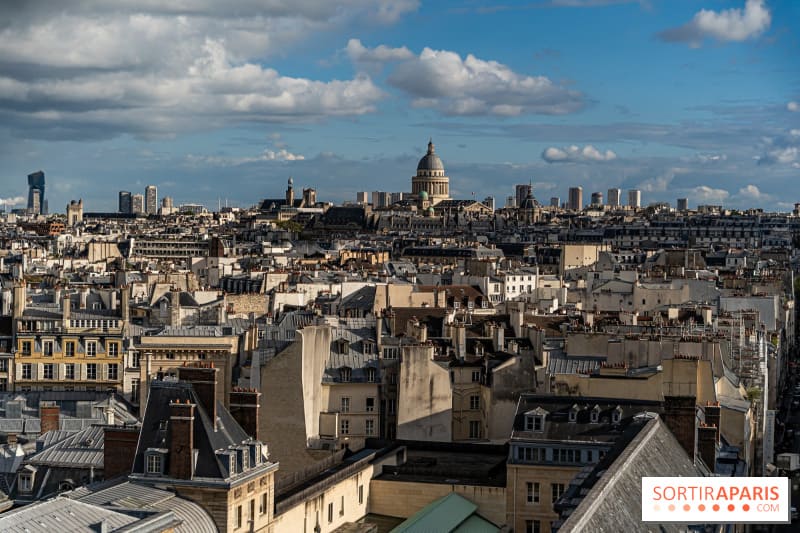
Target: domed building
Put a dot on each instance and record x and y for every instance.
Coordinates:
(430, 178)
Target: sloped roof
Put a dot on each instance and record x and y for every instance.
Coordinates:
(61, 514)
(452, 513)
(81, 450)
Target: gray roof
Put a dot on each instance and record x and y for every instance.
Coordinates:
(63, 515)
(613, 502)
(430, 161)
(82, 449)
(355, 333)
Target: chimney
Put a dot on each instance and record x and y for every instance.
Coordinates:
(113, 297)
(125, 303)
(84, 297)
(713, 416)
(707, 445)
(20, 294)
(11, 439)
(499, 338)
(460, 339)
(119, 450)
(181, 439)
(66, 308)
(204, 381)
(244, 404)
(50, 416)
(679, 415)
(175, 308)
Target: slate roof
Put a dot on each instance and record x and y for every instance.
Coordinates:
(61, 514)
(608, 499)
(363, 299)
(82, 449)
(155, 428)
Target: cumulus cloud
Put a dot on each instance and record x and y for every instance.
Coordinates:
(732, 24)
(445, 81)
(704, 193)
(94, 69)
(374, 58)
(710, 158)
(752, 193)
(576, 154)
(781, 150)
(268, 154)
(10, 202)
(793, 106)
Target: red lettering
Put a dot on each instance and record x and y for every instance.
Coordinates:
(773, 491)
(681, 493)
(758, 493)
(657, 491)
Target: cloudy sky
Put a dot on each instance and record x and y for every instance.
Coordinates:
(223, 101)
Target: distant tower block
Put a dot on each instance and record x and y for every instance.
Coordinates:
(635, 198)
(36, 199)
(575, 198)
(683, 204)
(614, 197)
(597, 199)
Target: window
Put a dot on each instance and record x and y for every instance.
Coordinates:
(25, 483)
(595, 416)
(330, 512)
(391, 353)
(533, 526)
(391, 406)
(533, 492)
(474, 402)
(474, 429)
(3, 365)
(558, 490)
(344, 374)
(370, 405)
(238, 517)
(371, 374)
(530, 454)
(616, 415)
(573, 414)
(91, 348)
(69, 371)
(252, 510)
(26, 347)
(360, 494)
(27, 371)
(134, 389)
(113, 371)
(345, 405)
(69, 349)
(153, 464)
(262, 508)
(344, 426)
(476, 376)
(341, 507)
(91, 371)
(369, 427)
(135, 357)
(48, 371)
(113, 349)
(47, 348)
(534, 423)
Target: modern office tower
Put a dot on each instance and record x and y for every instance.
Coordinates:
(151, 200)
(614, 197)
(555, 201)
(125, 202)
(362, 197)
(396, 197)
(521, 192)
(381, 199)
(597, 199)
(489, 202)
(683, 204)
(575, 198)
(36, 188)
(167, 202)
(635, 198)
(137, 204)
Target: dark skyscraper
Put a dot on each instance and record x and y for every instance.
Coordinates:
(124, 202)
(36, 200)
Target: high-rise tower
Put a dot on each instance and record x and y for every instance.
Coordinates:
(36, 200)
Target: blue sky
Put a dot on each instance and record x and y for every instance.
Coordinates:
(216, 101)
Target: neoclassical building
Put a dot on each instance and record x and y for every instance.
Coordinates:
(430, 178)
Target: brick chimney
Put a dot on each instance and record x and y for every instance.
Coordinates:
(679, 415)
(244, 404)
(713, 416)
(204, 381)
(707, 445)
(125, 298)
(119, 450)
(181, 439)
(66, 308)
(50, 416)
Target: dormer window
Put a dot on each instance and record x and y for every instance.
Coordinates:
(342, 347)
(371, 374)
(345, 374)
(154, 462)
(595, 415)
(534, 420)
(26, 482)
(573, 413)
(616, 416)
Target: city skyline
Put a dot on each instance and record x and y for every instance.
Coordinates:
(697, 100)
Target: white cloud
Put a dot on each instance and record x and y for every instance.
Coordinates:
(704, 193)
(752, 193)
(443, 80)
(732, 24)
(223, 161)
(96, 69)
(781, 150)
(10, 202)
(710, 158)
(371, 58)
(793, 106)
(576, 154)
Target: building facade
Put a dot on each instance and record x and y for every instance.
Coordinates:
(431, 178)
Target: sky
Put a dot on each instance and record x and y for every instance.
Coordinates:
(221, 102)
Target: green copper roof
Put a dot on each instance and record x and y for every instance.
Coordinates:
(450, 514)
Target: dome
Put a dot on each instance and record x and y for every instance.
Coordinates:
(431, 211)
(423, 195)
(430, 161)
